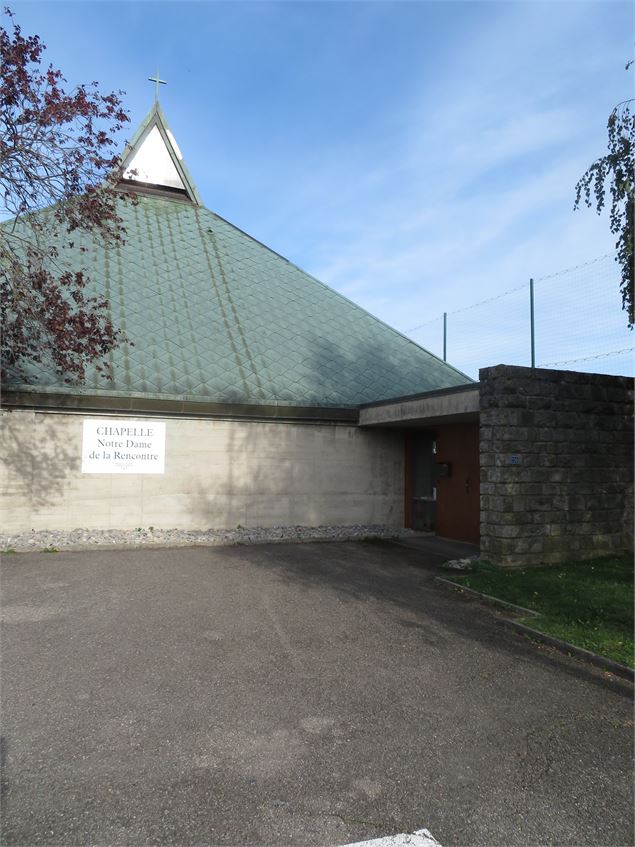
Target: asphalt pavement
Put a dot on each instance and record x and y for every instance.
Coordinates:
(307, 694)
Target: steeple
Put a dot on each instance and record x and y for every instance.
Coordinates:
(153, 161)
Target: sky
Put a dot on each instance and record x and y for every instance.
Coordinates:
(418, 157)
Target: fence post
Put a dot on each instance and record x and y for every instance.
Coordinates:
(531, 315)
(445, 336)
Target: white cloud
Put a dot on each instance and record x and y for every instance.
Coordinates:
(471, 191)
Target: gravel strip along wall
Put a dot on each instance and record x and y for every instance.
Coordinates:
(556, 454)
(150, 536)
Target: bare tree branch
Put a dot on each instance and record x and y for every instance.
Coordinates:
(57, 176)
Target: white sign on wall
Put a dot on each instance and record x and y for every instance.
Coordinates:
(123, 446)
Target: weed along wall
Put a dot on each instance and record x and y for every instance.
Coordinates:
(556, 455)
(69, 470)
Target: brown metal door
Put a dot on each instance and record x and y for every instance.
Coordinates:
(458, 489)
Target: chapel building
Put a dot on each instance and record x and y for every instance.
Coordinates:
(249, 393)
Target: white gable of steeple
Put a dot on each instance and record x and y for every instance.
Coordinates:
(153, 158)
(153, 164)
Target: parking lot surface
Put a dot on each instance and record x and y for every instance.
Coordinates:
(293, 694)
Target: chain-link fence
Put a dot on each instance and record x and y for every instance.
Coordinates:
(579, 324)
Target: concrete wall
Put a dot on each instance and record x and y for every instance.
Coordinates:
(442, 405)
(556, 455)
(217, 474)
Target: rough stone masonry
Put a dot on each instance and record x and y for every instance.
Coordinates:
(556, 454)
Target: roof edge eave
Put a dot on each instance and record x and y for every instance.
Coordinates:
(423, 395)
(24, 397)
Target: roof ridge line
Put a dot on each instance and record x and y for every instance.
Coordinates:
(339, 294)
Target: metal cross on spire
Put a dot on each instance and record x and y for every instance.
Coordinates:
(157, 82)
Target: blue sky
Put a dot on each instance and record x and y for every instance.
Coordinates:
(416, 156)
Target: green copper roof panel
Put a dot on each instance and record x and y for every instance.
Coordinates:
(214, 315)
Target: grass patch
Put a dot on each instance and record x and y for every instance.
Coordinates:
(589, 604)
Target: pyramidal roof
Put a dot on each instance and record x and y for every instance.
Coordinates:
(213, 316)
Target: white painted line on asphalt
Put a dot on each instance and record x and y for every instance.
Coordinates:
(420, 838)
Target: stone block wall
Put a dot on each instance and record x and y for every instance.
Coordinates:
(556, 456)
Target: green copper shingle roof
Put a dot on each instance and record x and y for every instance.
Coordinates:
(216, 316)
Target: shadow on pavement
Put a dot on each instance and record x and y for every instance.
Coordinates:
(402, 575)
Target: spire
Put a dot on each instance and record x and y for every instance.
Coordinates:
(153, 160)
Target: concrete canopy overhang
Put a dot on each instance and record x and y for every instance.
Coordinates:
(446, 405)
